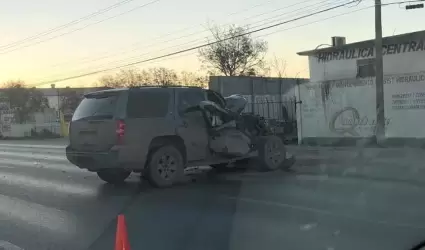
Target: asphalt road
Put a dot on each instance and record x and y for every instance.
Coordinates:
(46, 203)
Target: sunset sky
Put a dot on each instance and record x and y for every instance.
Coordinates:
(165, 26)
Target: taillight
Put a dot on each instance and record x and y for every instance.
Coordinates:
(120, 131)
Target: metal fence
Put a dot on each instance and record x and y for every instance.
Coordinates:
(280, 115)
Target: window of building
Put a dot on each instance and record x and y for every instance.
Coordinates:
(366, 68)
(147, 104)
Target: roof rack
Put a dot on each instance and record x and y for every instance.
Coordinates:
(163, 86)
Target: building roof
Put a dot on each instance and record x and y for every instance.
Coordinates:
(402, 38)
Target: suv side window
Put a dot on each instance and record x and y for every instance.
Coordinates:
(188, 99)
(147, 104)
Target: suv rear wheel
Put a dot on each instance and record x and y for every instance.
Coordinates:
(165, 167)
(113, 176)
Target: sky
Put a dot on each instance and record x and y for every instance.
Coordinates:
(143, 29)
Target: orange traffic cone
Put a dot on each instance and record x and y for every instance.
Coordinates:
(121, 237)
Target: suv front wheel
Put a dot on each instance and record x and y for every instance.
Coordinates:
(113, 176)
(166, 166)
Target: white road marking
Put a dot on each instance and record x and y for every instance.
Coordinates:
(58, 151)
(35, 156)
(37, 215)
(30, 163)
(33, 146)
(29, 182)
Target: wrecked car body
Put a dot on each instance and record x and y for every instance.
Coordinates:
(160, 132)
(238, 135)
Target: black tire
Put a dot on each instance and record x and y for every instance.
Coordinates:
(165, 167)
(113, 176)
(271, 153)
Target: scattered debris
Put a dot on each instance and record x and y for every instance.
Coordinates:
(308, 227)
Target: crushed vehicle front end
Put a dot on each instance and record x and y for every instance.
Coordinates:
(241, 135)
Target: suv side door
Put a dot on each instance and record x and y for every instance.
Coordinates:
(148, 115)
(191, 126)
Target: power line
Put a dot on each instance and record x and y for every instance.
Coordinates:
(273, 19)
(280, 30)
(81, 28)
(277, 31)
(391, 3)
(76, 21)
(317, 21)
(191, 43)
(195, 47)
(154, 43)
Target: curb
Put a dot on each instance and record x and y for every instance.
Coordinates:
(357, 152)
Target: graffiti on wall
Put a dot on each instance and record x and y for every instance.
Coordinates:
(349, 122)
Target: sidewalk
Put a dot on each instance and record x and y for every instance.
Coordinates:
(318, 152)
(385, 164)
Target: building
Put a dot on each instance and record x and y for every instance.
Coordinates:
(339, 104)
(55, 95)
(45, 120)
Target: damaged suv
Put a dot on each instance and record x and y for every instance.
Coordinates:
(160, 131)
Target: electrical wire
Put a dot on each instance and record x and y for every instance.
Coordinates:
(290, 28)
(271, 33)
(195, 47)
(155, 41)
(401, 2)
(81, 28)
(63, 26)
(262, 23)
(193, 42)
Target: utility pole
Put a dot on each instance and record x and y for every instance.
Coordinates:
(379, 70)
(379, 77)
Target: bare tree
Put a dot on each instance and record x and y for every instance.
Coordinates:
(109, 81)
(152, 76)
(192, 79)
(278, 66)
(233, 52)
(23, 100)
(163, 76)
(126, 78)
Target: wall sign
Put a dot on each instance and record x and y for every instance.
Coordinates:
(360, 53)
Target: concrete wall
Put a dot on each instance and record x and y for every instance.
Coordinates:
(254, 86)
(39, 121)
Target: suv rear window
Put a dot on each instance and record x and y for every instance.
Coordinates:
(99, 107)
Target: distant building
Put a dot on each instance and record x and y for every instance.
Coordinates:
(339, 101)
(54, 94)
